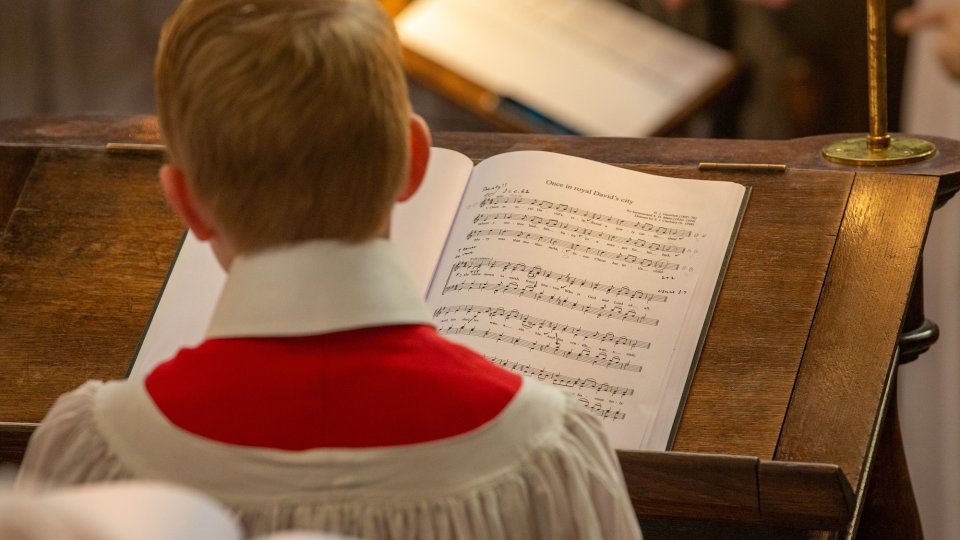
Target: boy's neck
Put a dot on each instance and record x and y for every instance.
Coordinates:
(225, 253)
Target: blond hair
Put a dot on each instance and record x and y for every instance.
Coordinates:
(289, 117)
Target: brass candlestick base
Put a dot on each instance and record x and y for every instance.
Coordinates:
(898, 151)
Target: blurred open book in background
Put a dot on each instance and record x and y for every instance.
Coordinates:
(589, 67)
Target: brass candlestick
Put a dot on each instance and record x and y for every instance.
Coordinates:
(878, 148)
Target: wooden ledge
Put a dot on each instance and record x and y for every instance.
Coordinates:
(96, 130)
(82, 131)
(13, 441)
(741, 489)
(15, 166)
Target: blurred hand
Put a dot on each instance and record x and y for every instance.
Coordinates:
(944, 19)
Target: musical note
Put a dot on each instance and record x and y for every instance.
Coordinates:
(598, 410)
(536, 271)
(562, 225)
(513, 288)
(558, 379)
(581, 355)
(594, 216)
(541, 324)
(660, 264)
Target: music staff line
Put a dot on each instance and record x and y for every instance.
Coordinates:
(563, 225)
(558, 379)
(627, 258)
(530, 321)
(567, 209)
(597, 410)
(514, 289)
(570, 354)
(534, 272)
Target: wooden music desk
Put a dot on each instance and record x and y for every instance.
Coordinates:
(789, 413)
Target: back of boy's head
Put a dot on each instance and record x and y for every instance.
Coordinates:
(289, 117)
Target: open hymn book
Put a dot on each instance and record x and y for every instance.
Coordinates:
(593, 67)
(595, 279)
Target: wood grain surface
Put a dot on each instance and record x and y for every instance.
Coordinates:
(804, 495)
(15, 165)
(674, 484)
(848, 361)
(82, 257)
(94, 131)
(743, 489)
(85, 131)
(755, 342)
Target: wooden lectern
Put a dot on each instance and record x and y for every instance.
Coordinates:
(789, 414)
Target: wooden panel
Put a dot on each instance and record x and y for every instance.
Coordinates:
(669, 484)
(13, 442)
(97, 130)
(802, 153)
(94, 131)
(804, 495)
(81, 261)
(91, 131)
(737, 488)
(755, 343)
(15, 164)
(845, 369)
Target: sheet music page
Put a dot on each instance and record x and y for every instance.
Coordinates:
(594, 66)
(586, 276)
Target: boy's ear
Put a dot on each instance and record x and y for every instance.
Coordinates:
(178, 193)
(419, 156)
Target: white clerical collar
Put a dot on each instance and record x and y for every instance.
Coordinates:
(317, 287)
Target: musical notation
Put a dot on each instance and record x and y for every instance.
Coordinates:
(581, 355)
(512, 287)
(566, 226)
(573, 246)
(533, 272)
(597, 409)
(595, 216)
(608, 304)
(558, 379)
(529, 321)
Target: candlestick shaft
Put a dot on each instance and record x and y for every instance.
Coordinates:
(878, 148)
(878, 139)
